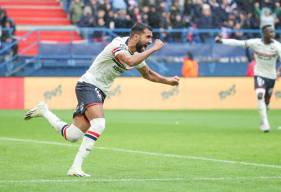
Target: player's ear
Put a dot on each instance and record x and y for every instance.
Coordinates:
(136, 36)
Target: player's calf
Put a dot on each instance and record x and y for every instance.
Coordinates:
(89, 140)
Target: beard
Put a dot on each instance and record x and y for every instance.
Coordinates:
(140, 47)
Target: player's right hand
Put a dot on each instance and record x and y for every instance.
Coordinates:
(218, 39)
(158, 44)
(174, 81)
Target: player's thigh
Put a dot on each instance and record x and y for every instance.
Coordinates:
(81, 122)
(90, 101)
(94, 111)
(269, 86)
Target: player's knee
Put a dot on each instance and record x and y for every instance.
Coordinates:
(96, 129)
(260, 95)
(72, 133)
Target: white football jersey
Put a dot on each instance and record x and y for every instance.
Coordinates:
(106, 67)
(266, 56)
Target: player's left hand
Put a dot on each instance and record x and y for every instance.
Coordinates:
(218, 39)
(174, 81)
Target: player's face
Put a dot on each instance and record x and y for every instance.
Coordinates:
(145, 39)
(269, 33)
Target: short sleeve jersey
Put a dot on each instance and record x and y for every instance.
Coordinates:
(106, 67)
(266, 56)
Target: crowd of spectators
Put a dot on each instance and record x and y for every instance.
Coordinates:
(7, 36)
(225, 15)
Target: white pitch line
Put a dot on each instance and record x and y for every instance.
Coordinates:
(114, 180)
(187, 157)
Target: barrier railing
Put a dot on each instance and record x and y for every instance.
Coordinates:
(93, 35)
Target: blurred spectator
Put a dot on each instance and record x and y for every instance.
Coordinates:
(268, 11)
(190, 66)
(267, 18)
(123, 20)
(206, 21)
(228, 6)
(174, 11)
(7, 36)
(110, 20)
(194, 9)
(154, 17)
(76, 11)
(94, 6)
(165, 24)
(177, 24)
(145, 12)
(176, 14)
(87, 20)
(246, 6)
(154, 20)
(237, 34)
(227, 28)
(136, 15)
(99, 35)
(3, 17)
(119, 4)
(267, 4)
(65, 4)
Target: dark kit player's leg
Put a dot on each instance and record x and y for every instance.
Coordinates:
(260, 87)
(269, 90)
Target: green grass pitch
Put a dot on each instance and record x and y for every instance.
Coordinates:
(202, 151)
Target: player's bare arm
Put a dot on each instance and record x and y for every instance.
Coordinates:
(136, 59)
(151, 75)
(230, 42)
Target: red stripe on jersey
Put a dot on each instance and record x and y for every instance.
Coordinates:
(93, 134)
(116, 49)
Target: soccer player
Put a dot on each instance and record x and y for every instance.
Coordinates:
(122, 54)
(266, 51)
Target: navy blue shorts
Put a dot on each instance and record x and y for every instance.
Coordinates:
(265, 83)
(87, 95)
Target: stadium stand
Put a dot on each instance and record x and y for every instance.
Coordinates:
(28, 14)
(69, 33)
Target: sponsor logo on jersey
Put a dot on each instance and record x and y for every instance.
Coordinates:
(115, 60)
(118, 69)
(265, 56)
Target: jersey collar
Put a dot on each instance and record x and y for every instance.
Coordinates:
(127, 41)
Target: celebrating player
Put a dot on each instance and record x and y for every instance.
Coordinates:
(91, 89)
(266, 51)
